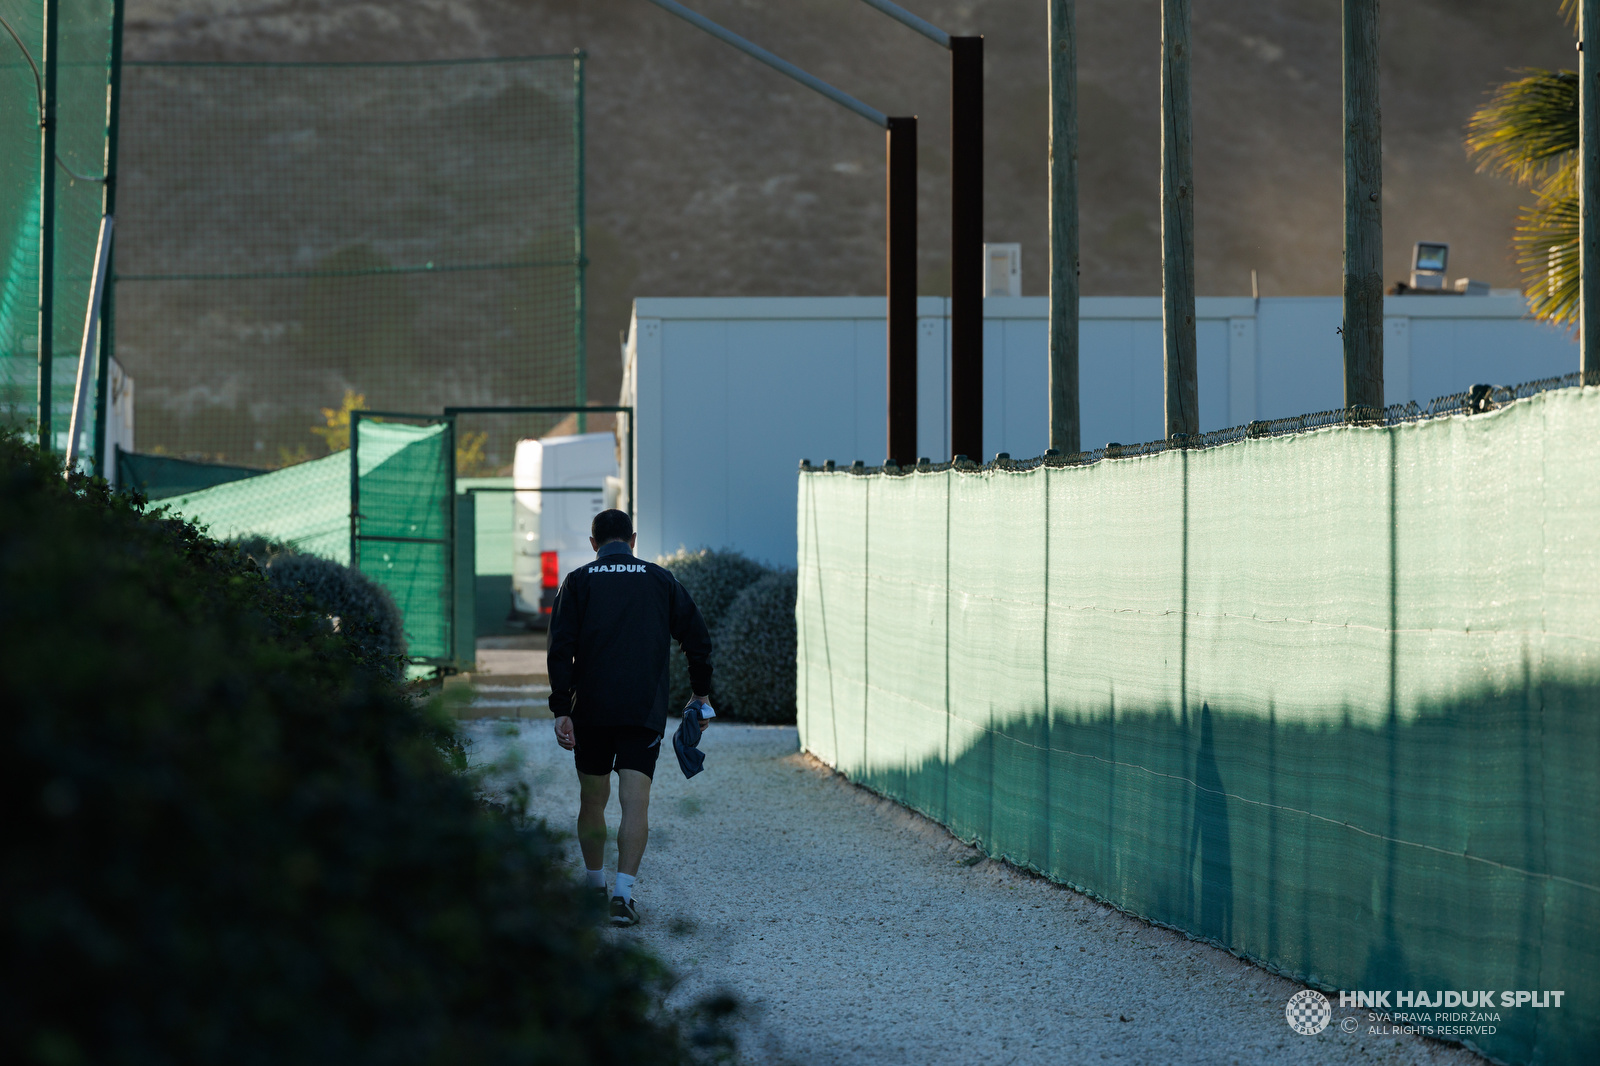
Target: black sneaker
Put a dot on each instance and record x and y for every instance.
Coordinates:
(623, 912)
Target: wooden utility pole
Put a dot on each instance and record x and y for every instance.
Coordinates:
(1064, 423)
(1363, 210)
(1182, 394)
(1589, 186)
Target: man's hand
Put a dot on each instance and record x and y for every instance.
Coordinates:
(564, 735)
(705, 723)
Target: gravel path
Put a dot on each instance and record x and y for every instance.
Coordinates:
(858, 932)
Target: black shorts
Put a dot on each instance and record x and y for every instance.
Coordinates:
(601, 749)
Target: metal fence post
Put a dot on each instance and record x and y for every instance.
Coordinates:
(355, 490)
(1064, 289)
(1182, 394)
(108, 202)
(47, 221)
(966, 246)
(901, 286)
(1363, 209)
(966, 231)
(580, 245)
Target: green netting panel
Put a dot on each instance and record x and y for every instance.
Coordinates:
(160, 476)
(83, 72)
(289, 233)
(306, 506)
(1328, 700)
(19, 211)
(402, 531)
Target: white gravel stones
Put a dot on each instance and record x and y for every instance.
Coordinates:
(859, 932)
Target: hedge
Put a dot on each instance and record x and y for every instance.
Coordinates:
(755, 678)
(714, 580)
(232, 837)
(359, 607)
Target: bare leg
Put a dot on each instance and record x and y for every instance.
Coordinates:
(634, 832)
(593, 792)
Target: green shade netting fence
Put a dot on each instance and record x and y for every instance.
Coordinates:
(1328, 700)
(405, 477)
(83, 72)
(306, 506)
(409, 232)
(403, 536)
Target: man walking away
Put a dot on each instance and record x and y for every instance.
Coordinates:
(611, 631)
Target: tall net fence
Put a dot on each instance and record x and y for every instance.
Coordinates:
(1325, 699)
(83, 61)
(294, 239)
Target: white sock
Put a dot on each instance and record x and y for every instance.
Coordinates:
(624, 886)
(594, 878)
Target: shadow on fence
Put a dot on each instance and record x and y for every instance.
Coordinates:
(1453, 851)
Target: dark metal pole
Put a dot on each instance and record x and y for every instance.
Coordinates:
(966, 246)
(1589, 187)
(1363, 209)
(1182, 395)
(109, 207)
(580, 248)
(902, 289)
(47, 221)
(1064, 420)
(355, 490)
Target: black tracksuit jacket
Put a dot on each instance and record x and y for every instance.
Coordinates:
(611, 631)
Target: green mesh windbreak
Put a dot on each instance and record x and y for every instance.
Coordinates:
(19, 210)
(83, 73)
(402, 528)
(289, 234)
(306, 506)
(402, 534)
(1328, 700)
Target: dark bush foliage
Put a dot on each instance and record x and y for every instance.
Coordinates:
(262, 549)
(714, 580)
(362, 609)
(756, 653)
(229, 836)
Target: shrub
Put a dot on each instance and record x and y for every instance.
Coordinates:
(231, 837)
(714, 580)
(261, 549)
(756, 652)
(361, 608)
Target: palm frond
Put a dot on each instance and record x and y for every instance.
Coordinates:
(1569, 11)
(1527, 126)
(1547, 249)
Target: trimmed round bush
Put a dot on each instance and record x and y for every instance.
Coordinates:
(756, 653)
(229, 837)
(714, 580)
(361, 609)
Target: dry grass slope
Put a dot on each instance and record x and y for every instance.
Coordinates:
(710, 175)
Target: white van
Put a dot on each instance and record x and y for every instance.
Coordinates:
(550, 530)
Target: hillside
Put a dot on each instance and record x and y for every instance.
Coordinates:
(711, 175)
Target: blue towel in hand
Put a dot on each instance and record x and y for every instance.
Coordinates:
(690, 758)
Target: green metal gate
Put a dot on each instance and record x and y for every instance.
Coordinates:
(402, 521)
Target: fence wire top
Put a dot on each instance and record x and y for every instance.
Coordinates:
(1479, 399)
